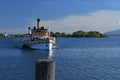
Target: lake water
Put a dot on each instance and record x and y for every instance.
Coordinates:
(76, 59)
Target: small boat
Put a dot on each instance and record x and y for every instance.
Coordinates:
(39, 38)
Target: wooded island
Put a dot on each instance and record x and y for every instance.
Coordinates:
(79, 34)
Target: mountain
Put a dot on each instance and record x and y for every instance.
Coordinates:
(114, 32)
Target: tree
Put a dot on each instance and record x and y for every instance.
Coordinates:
(68, 35)
(63, 34)
(57, 34)
(79, 34)
(1, 35)
(94, 34)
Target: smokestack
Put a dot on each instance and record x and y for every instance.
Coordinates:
(38, 23)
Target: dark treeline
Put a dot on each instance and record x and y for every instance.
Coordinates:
(79, 34)
(2, 35)
(63, 34)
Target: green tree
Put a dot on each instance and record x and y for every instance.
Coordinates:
(1, 35)
(57, 34)
(68, 35)
(94, 34)
(63, 34)
(79, 34)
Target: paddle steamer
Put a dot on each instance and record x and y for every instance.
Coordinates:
(39, 38)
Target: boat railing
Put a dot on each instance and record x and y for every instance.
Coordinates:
(30, 39)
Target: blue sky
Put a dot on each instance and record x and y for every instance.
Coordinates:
(60, 15)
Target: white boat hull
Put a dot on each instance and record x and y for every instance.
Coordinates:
(47, 46)
(44, 43)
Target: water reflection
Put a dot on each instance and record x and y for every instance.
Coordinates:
(39, 54)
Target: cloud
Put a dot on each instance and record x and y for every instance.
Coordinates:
(102, 21)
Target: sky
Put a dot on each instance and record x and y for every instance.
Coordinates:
(60, 15)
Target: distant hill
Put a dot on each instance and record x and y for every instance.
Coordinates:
(114, 33)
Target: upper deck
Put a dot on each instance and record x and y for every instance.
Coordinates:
(38, 31)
